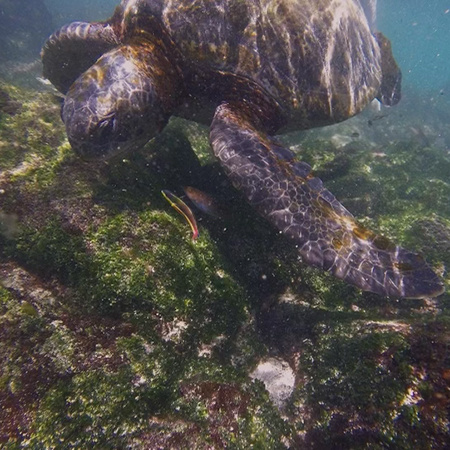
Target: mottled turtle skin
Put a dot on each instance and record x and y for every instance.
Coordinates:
(250, 69)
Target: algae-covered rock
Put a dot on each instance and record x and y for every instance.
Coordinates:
(365, 387)
(119, 331)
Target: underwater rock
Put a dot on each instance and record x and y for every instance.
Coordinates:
(278, 379)
(27, 287)
(434, 235)
(8, 225)
(7, 105)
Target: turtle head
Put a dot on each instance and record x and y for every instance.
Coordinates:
(114, 106)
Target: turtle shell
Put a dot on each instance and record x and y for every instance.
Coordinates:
(317, 58)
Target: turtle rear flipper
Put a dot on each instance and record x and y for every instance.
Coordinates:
(284, 191)
(73, 49)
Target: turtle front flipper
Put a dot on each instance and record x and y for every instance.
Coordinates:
(284, 191)
(73, 49)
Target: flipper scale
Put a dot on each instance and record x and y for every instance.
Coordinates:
(326, 234)
(74, 48)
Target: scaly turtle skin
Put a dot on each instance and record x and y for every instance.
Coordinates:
(250, 68)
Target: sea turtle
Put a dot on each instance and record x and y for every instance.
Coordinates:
(249, 68)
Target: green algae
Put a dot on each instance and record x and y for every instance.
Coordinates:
(346, 355)
(22, 381)
(92, 410)
(198, 136)
(33, 135)
(136, 267)
(5, 296)
(129, 263)
(364, 389)
(51, 251)
(149, 337)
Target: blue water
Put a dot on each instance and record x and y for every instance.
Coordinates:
(420, 35)
(66, 10)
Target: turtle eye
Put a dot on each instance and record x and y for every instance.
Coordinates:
(106, 127)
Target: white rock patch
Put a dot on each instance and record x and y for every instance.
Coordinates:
(278, 378)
